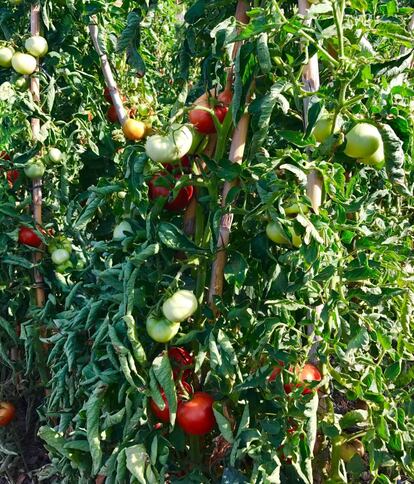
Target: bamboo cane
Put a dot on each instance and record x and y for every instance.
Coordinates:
(37, 183)
(190, 213)
(236, 156)
(107, 72)
(311, 84)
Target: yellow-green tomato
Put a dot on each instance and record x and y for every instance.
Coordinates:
(362, 141)
(323, 128)
(161, 330)
(24, 64)
(15, 2)
(295, 208)
(6, 55)
(275, 234)
(180, 306)
(36, 46)
(376, 159)
(21, 83)
(122, 230)
(347, 450)
(160, 149)
(62, 268)
(60, 256)
(55, 155)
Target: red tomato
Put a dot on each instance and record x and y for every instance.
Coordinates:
(203, 121)
(28, 236)
(111, 114)
(309, 373)
(107, 96)
(7, 413)
(12, 177)
(173, 205)
(276, 371)
(4, 156)
(164, 414)
(225, 97)
(196, 416)
(180, 360)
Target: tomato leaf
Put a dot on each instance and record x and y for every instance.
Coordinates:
(173, 238)
(394, 159)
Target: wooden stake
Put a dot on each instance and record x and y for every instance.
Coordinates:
(107, 72)
(311, 84)
(237, 148)
(36, 184)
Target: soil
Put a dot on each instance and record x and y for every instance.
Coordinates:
(21, 437)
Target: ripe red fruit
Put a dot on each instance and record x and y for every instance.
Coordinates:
(28, 236)
(164, 414)
(7, 413)
(112, 115)
(180, 360)
(202, 120)
(309, 373)
(182, 199)
(12, 177)
(276, 371)
(196, 416)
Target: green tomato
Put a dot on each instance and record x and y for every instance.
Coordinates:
(34, 169)
(6, 55)
(347, 450)
(122, 230)
(37, 46)
(161, 330)
(24, 64)
(295, 208)
(55, 155)
(61, 269)
(180, 306)
(21, 83)
(276, 235)
(182, 137)
(377, 159)
(362, 141)
(59, 242)
(15, 2)
(60, 256)
(323, 128)
(160, 149)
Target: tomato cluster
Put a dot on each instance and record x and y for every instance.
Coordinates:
(195, 410)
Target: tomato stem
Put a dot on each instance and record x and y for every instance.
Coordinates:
(195, 449)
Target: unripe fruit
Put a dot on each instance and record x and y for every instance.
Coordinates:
(55, 155)
(376, 159)
(362, 141)
(6, 55)
(24, 64)
(122, 230)
(133, 130)
(36, 46)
